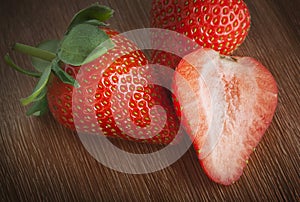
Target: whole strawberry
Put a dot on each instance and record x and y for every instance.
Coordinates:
(218, 24)
(101, 83)
(121, 94)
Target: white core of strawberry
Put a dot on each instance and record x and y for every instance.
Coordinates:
(238, 96)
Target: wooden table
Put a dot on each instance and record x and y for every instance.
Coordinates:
(42, 161)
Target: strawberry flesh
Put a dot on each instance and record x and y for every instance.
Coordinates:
(236, 99)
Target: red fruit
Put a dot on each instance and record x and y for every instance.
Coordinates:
(101, 82)
(121, 94)
(220, 24)
(236, 99)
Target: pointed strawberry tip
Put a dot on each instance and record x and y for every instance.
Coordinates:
(221, 178)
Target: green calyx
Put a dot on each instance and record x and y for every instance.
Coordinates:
(82, 43)
(95, 15)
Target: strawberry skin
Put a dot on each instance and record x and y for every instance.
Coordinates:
(221, 25)
(244, 95)
(123, 94)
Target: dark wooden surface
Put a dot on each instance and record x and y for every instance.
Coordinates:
(42, 161)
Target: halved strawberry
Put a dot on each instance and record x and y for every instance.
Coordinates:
(236, 98)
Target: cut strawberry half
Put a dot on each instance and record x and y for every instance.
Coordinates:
(235, 102)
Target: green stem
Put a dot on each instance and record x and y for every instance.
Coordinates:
(35, 52)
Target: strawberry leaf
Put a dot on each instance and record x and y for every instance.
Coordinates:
(10, 62)
(39, 107)
(94, 12)
(39, 87)
(62, 75)
(41, 95)
(51, 46)
(82, 44)
(96, 23)
(101, 49)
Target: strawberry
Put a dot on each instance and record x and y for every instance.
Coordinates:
(232, 105)
(123, 76)
(218, 24)
(97, 81)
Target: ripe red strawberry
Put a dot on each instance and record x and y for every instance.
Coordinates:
(102, 83)
(236, 99)
(218, 24)
(125, 76)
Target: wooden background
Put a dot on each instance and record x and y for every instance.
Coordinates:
(40, 160)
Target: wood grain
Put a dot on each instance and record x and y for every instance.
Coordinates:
(42, 161)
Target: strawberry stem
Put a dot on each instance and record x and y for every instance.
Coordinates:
(33, 51)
